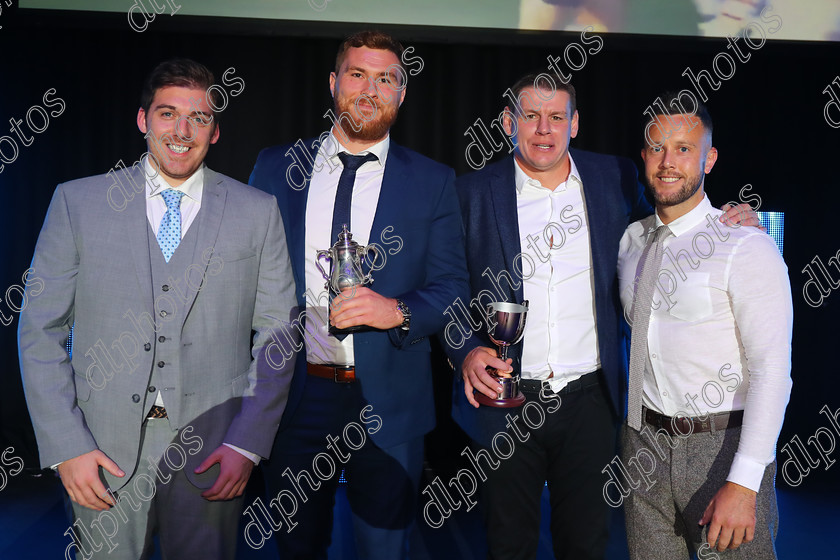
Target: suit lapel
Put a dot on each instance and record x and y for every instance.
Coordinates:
(137, 226)
(208, 222)
(597, 210)
(503, 201)
(391, 195)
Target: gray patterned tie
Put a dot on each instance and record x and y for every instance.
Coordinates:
(645, 281)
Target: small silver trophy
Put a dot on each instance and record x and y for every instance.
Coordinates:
(505, 325)
(346, 258)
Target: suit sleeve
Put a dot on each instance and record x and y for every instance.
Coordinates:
(272, 366)
(446, 270)
(45, 321)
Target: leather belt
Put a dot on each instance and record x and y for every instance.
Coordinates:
(683, 426)
(157, 412)
(583, 382)
(338, 374)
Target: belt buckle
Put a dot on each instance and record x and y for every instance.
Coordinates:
(344, 378)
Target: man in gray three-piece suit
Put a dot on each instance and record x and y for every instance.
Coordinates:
(156, 422)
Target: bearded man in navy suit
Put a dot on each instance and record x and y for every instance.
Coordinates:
(361, 402)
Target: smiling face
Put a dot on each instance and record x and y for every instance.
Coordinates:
(367, 87)
(676, 166)
(181, 122)
(542, 134)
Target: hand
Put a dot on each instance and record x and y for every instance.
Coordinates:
(80, 477)
(233, 476)
(741, 215)
(476, 376)
(732, 516)
(362, 306)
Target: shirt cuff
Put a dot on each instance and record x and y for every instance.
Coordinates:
(252, 456)
(746, 472)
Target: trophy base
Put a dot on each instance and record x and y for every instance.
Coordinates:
(349, 330)
(511, 402)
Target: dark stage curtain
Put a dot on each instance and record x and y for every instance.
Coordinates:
(769, 130)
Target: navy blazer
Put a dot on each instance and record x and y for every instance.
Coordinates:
(418, 224)
(614, 199)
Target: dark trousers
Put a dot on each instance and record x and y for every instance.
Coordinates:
(567, 450)
(332, 431)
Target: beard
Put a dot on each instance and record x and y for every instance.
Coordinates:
(690, 185)
(372, 128)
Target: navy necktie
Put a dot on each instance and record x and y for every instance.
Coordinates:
(344, 194)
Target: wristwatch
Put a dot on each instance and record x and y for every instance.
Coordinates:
(406, 313)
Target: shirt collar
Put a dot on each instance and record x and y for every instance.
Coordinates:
(331, 147)
(521, 179)
(155, 183)
(690, 219)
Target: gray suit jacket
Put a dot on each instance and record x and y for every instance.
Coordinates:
(94, 261)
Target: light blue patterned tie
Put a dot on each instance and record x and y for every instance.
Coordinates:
(169, 232)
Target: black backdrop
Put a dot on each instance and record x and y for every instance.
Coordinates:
(769, 130)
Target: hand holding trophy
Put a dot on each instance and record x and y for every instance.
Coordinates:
(505, 325)
(346, 258)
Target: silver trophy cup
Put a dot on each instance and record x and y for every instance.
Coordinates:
(505, 325)
(346, 258)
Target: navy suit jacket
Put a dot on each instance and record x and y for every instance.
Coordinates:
(614, 199)
(418, 224)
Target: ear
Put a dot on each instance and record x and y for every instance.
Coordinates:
(711, 158)
(507, 121)
(141, 120)
(215, 136)
(332, 84)
(402, 94)
(574, 130)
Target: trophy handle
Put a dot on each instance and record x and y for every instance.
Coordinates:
(318, 255)
(368, 278)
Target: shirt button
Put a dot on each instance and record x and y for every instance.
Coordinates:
(653, 356)
(163, 313)
(152, 389)
(135, 397)
(147, 347)
(161, 363)
(165, 287)
(161, 338)
(664, 393)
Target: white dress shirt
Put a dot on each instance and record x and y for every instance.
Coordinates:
(720, 329)
(321, 347)
(560, 340)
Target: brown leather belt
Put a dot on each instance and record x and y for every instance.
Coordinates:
(338, 374)
(157, 412)
(683, 426)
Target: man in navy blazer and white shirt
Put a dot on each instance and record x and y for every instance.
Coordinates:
(362, 403)
(544, 226)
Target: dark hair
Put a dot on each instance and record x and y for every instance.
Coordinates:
(537, 80)
(670, 103)
(371, 40)
(179, 72)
